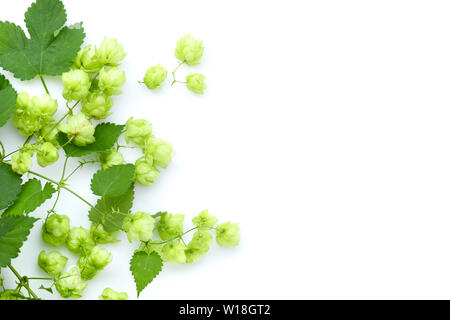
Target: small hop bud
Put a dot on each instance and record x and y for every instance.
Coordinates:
(93, 262)
(174, 252)
(155, 76)
(196, 83)
(49, 133)
(100, 235)
(139, 226)
(44, 106)
(56, 229)
(21, 162)
(227, 234)
(111, 80)
(158, 150)
(170, 226)
(138, 131)
(204, 219)
(46, 154)
(189, 50)
(70, 284)
(87, 60)
(52, 262)
(111, 158)
(79, 240)
(110, 294)
(110, 52)
(97, 105)
(145, 172)
(76, 84)
(78, 129)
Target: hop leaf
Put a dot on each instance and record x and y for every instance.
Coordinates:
(14, 230)
(10, 185)
(51, 48)
(7, 100)
(145, 267)
(30, 198)
(106, 135)
(111, 211)
(114, 181)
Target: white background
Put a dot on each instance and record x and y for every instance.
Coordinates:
(324, 132)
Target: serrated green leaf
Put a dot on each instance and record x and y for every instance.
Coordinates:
(46, 52)
(7, 100)
(111, 211)
(113, 181)
(106, 135)
(145, 267)
(30, 197)
(10, 185)
(14, 230)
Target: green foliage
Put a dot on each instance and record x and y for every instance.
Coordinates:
(111, 211)
(7, 100)
(51, 48)
(14, 230)
(106, 135)
(31, 197)
(145, 267)
(10, 185)
(113, 181)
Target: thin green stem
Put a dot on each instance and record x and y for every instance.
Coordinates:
(69, 112)
(43, 83)
(174, 238)
(23, 282)
(61, 181)
(3, 150)
(174, 71)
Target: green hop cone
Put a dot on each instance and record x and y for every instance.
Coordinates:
(99, 235)
(76, 85)
(174, 252)
(79, 240)
(52, 262)
(227, 234)
(97, 105)
(70, 284)
(49, 133)
(145, 172)
(110, 52)
(155, 76)
(78, 129)
(189, 50)
(159, 150)
(111, 81)
(139, 226)
(170, 226)
(110, 294)
(46, 154)
(111, 158)
(138, 131)
(93, 262)
(198, 246)
(56, 229)
(21, 162)
(29, 117)
(87, 60)
(44, 106)
(196, 82)
(204, 219)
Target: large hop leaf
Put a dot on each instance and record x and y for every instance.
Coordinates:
(7, 100)
(51, 48)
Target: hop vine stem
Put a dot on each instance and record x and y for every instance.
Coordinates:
(23, 282)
